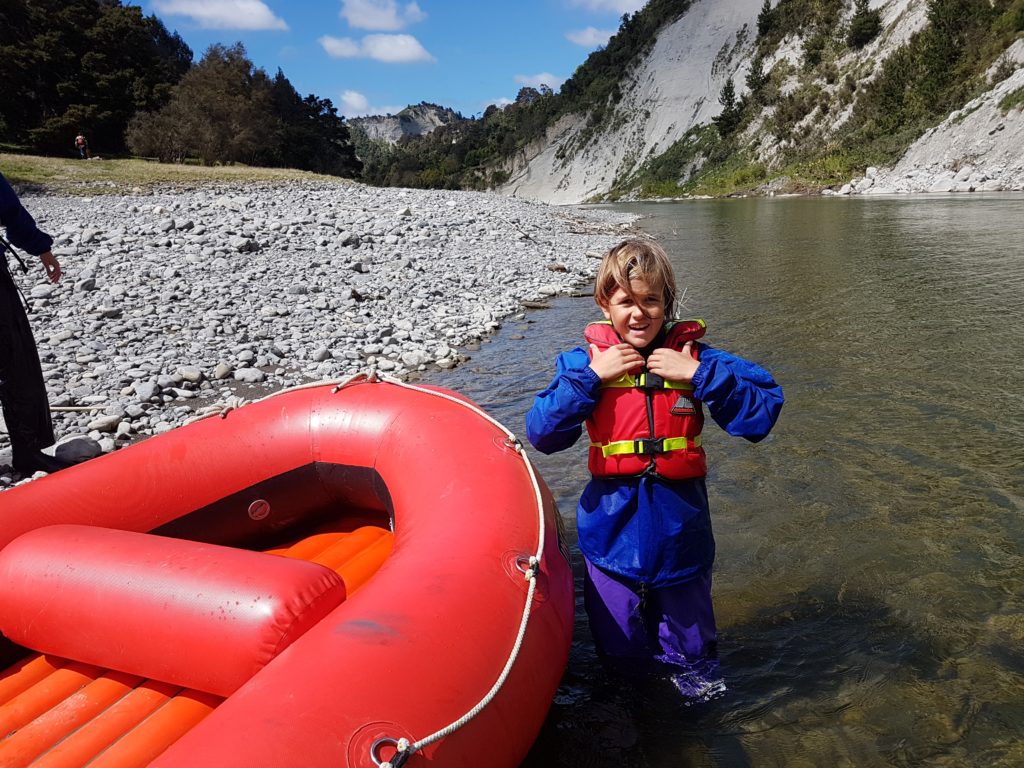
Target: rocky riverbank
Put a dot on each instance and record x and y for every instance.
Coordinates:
(176, 300)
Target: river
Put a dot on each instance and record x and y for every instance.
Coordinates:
(869, 579)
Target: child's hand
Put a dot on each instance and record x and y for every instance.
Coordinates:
(674, 366)
(614, 361)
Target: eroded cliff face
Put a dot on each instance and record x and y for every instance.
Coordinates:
(675, 88)
(417, 120)
(979, 148)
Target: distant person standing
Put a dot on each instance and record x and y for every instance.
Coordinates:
(82, 146)
(22, 390)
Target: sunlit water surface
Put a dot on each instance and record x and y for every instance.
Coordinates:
(869, 574)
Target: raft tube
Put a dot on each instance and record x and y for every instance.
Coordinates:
(419, 645)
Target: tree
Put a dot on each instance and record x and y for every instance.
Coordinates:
(950, 45)
(220, 110)
(756, 77)
(732, 111)
(527, 95)
(764, 19)
(82, 65)
(864, 25)
(226, 110)
(312, 136)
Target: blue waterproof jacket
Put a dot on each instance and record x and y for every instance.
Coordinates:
(21, 227)
(646, 528)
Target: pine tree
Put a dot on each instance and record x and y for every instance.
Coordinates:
(70, 66)
(764, 19)
(756, 77)
(864, 25)
(732, 111)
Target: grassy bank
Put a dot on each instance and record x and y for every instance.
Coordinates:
(96, 177)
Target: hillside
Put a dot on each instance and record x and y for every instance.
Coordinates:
(822, 110)
(413, 121)
(718, 97)
(665, 94)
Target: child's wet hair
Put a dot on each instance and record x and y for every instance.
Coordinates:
(636, 260)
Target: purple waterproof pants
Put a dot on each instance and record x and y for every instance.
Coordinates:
(675, 624)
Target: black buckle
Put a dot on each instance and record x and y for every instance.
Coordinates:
(652, 381)
(649, 445)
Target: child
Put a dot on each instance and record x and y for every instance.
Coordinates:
(643, 521)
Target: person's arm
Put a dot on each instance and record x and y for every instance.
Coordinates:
(741, 396)
(21, 227)
(555, 420)
(51, 265)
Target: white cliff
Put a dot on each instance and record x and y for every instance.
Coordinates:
(979, 148)
(675, 88)
(417, 120)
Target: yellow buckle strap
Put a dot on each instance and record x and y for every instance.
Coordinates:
(626, 380)
(646, 446)
(642, 381)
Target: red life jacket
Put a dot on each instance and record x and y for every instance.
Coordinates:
(642, 423)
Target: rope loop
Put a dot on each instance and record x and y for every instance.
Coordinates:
(403, 748)
(514, 443)
(530, 572)
(402, 752)
(528, 566)
(534, 568)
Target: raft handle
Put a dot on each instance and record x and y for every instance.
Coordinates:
(402, 752)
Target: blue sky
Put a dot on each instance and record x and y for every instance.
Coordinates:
(379, 56)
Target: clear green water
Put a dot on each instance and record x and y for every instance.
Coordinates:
(869, 578)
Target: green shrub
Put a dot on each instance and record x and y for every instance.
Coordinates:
(864, 26)
(1013, 100)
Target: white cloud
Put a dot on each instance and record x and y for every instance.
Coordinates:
(500, 102)
(390, 49)
(340, 47)
(223, 14)
(591, 37)
(380, 15)
(355, 104)
(609, 6)
(395, 49)
(543, 78)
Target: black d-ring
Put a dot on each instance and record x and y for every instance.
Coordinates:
(377, 745)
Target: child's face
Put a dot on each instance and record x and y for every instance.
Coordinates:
(629, 318)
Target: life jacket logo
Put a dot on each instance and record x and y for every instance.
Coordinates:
(684, 406)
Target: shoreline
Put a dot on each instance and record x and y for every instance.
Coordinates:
(174, 300)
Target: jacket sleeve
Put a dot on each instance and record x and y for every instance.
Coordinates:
(21, 227)
(741, 396)
(555, 421)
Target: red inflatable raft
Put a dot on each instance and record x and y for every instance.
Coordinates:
(358, 575)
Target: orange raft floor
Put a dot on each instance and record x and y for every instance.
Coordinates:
(59, 713)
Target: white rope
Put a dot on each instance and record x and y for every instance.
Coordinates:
(403, 745)
(230, 403)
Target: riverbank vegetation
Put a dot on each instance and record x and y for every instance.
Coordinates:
(56, 175)
(884, 110)
(935, 72)
(105, 70)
